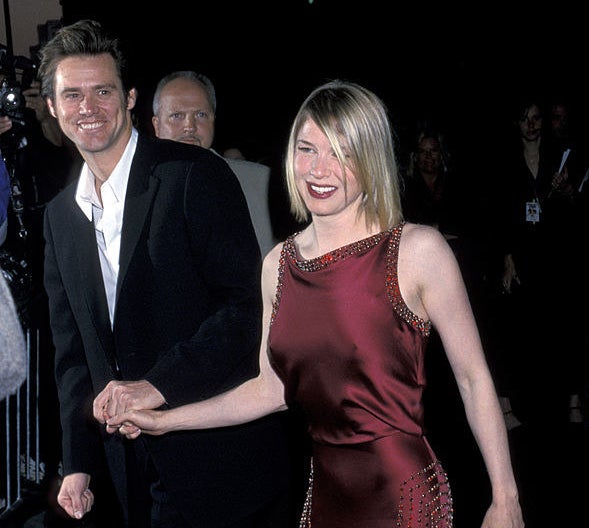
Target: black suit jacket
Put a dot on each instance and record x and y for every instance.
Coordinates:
(187, 319)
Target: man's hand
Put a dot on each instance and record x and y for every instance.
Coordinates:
(5, 124)
(510, 275)
(74, 495)
(560, 183)
(121, 396)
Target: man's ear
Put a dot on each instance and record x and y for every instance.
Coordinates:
(50, 106)
(131, 98)
(155, 121)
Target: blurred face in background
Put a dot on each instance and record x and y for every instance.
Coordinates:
(530, 123)
(428, 156)
(185, 114)
(558, 119)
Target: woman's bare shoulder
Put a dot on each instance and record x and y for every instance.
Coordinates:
(420, 239)
(272, 258)
(270, 268)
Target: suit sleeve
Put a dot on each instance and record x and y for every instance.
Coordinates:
(223, 351)
(80, 434)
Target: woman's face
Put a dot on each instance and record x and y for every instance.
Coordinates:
(429, 156)
(319, 177)
(530, 124)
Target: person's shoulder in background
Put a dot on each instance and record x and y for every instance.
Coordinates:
(254, 179)
(13, 354)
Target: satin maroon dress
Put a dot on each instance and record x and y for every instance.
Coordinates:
(351, 355)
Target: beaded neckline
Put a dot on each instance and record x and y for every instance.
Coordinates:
(321, 262)
(391, 280)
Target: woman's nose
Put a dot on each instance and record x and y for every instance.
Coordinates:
(320, 167)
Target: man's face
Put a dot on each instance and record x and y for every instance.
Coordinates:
(90, 103)
(558, 119)
(185, 114)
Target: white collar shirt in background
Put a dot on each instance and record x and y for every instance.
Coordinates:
(107, 216)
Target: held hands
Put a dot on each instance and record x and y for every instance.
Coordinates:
(120, 397)
(74, 495)
(132, 423)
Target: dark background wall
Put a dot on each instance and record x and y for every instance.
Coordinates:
(457, 64)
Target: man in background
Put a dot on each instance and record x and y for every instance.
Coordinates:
(184, 107)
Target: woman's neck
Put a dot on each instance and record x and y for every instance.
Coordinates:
(532, 155)
(430, 179)
(325, 234)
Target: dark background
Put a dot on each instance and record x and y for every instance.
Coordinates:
(456, 64)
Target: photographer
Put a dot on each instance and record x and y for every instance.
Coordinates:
(39, 160)
(38, 163)
(48, 123)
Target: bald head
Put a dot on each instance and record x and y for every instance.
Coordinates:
(184, 111)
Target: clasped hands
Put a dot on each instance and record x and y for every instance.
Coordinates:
(127, 407)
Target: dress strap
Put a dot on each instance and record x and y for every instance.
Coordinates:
(392, 284)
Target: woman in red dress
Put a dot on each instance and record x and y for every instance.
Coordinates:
(349, 302)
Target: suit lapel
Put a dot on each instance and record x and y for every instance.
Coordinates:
(89, 268)
(140, 192)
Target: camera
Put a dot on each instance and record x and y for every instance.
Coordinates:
(12, 101)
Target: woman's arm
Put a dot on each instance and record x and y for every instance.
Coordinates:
(253, 399)
(436, 291)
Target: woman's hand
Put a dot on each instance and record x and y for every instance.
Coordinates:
(131, 424)
(508, 515)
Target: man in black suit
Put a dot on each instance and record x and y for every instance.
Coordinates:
(152, 269)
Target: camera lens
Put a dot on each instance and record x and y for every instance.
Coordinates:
(12, 101)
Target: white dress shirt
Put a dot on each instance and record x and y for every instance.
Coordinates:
(107, 215)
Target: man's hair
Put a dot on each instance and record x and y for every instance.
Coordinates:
(356, 123)
(197, 78)
(85, 37)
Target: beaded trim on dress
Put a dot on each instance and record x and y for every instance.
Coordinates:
(426, 500)
(391, 280)
(393, 290)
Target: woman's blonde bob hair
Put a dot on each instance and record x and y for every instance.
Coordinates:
(356, 119)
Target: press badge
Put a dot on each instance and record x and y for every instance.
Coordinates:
(532, 211)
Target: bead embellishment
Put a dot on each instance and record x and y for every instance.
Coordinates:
(322, 262)
(425, 500)
(336, 255)
(392, 285)
(305, 521)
